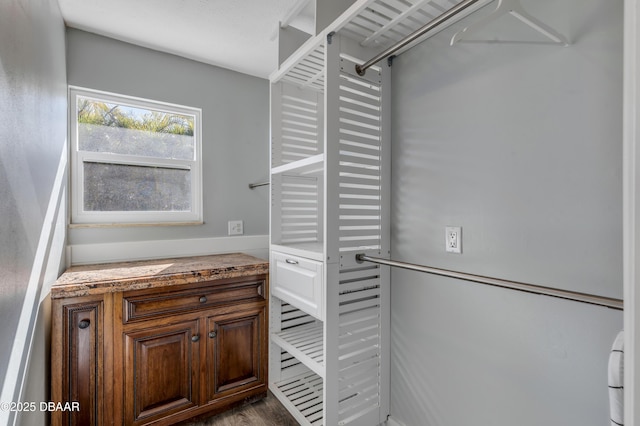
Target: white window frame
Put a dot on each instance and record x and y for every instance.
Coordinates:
(79, 216)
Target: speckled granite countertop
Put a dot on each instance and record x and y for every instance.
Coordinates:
(113, 277)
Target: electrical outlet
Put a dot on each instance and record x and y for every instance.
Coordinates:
(236, 227)
(453, 239)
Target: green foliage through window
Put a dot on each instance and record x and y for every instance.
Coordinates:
(110, 115)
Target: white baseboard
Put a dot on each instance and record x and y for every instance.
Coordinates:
(82, 254)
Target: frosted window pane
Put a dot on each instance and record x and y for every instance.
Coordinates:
(117, 187)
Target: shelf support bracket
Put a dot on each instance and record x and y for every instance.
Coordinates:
(330, 37)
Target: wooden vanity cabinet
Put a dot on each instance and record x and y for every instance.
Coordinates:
(191, 347)
(159, 354)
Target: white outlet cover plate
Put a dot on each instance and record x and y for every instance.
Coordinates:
(236, 227)
(450, 245)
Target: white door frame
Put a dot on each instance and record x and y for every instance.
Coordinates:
(631, 209)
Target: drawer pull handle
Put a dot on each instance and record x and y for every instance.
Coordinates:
(212, 334)
(203, 299)
(195, 338)
(291, 261)
(83, 324)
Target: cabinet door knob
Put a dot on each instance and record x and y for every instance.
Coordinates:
(212, 334)
(83, 324)
(195, 338)
(203, 299)
(291, 261)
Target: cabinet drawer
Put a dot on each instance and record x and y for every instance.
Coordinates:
(144, 304)
(298, 281)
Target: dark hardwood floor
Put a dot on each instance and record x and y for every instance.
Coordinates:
(266, 412)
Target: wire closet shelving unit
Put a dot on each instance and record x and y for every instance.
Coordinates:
(330, 185)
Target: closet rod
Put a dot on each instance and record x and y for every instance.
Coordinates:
(361, 69)
(513, 285)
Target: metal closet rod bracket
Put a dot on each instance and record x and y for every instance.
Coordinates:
(497, 282)
(390, 60)
(256, 185)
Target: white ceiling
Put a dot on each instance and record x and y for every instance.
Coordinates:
(234, 34)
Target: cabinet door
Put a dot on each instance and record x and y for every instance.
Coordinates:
(77, 361)
(161, 370)
(236, 351)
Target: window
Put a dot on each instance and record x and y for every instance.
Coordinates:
(133, 160)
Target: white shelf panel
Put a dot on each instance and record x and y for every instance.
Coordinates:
(302, 396)
(310, 250)
(305, 343)
(307, 166)
(305, 68)
(380, 23)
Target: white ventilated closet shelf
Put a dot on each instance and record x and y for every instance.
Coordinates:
(305, 343)
(305, 68)
(326, 197)
(376, 24)
(307, 166)
(302, 396)
(380, 23)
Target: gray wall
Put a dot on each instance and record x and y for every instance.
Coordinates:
(235, 130)
(520, 144)
(33, 129)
